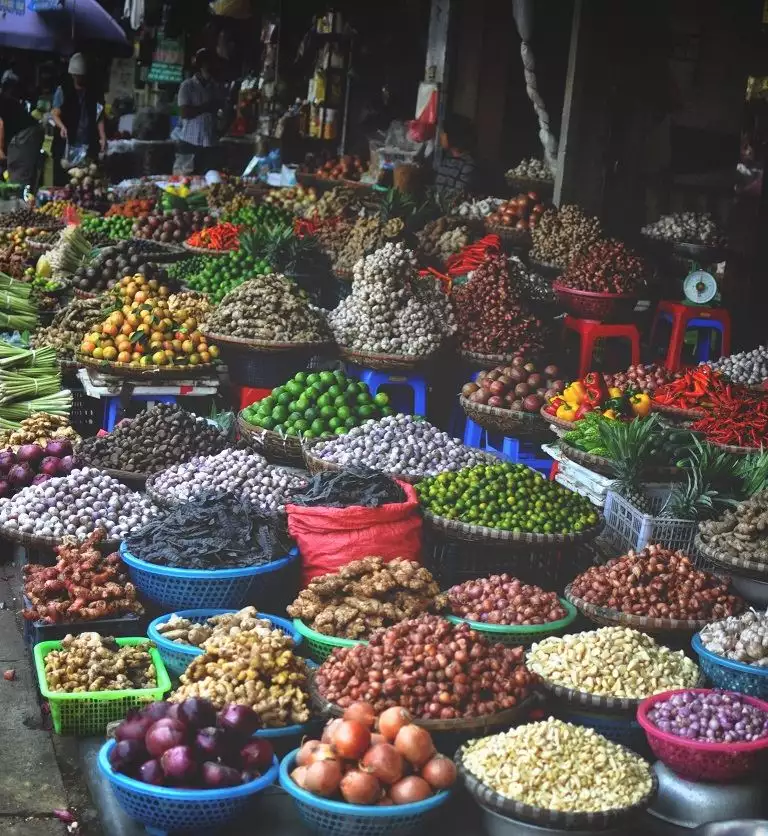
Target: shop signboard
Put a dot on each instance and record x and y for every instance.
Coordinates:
(14, 7)
(46, 5)
(167, 62)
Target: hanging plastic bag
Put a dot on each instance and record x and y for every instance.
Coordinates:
(74, 156)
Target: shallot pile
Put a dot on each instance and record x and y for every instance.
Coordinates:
(503, 599)
(711, 717)
(640, 378)
(607, 267)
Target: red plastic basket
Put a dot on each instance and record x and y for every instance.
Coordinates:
(699, 761)
(602, 307)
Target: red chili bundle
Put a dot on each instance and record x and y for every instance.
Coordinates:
(473, 255)
(698, 388)
(606, 267)
(223, 236)
(82, 586)
(741, 421)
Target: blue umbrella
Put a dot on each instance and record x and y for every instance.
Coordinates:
(60, 30)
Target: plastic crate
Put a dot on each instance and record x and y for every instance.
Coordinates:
(165, 810)
(87, 714)
(319, 645)
(337, 818)
(177, 657)
(86, 414)
(123, 626)
(271, 585)
(627, 528)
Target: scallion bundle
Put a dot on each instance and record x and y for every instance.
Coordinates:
(18, 311)
(58, 404)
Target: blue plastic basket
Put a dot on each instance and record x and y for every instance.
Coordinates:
(176, 589)
(623, 730)
(337, 818)
(163, 810)
(178, 656)
(731, 675)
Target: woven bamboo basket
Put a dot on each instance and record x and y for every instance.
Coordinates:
(275, 447)
(386, 362)
(267, 346)
(147, 373)
(505, 421)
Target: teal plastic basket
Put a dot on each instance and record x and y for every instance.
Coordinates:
(87, 714)
(319, 645)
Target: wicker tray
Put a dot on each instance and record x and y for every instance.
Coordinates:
(105, 546)
(266, 346)
(155, 373)
(509, 807)
(677, 413)
(506, 421)
(736, 565)
(275, 447)
(608, 617)
(735, 450)
(557, 422)
(203, 251)
(392, 362)
(464, 532)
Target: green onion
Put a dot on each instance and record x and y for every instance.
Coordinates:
(18, 387)
(58, 404)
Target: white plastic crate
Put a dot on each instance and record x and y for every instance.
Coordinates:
(627, 528)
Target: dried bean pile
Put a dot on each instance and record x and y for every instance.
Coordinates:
(658, 583)
(743, 638)
(561, 235)
(607, 267)
(503, 599)
(430, 667)
(154, 440)
(365, 595)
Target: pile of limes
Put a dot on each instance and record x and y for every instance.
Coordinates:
(317, 405)
(511, 497)
(220, 274)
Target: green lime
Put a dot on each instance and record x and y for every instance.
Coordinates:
(335, 423)
(344, 412)
(310, 414)
(284, 398)
(327, 377)
(350, 422)
(300, 377)
(365, 411)
(266, 422)
(301, 425)
(317, 427)
(279, 413)
(293, 406)
(313, 378)
(327, 412)
(364, 398)
(340, 431)
(381, 399)
(334, 391)
(294, 417)
(339, 401)
(266, 403)
(294, 388)
(302, 404)
(325, 400)
(291, 431)
(353, 387)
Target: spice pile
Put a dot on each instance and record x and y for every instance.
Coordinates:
(399, 444)
(82, 586)
(657, 583)
(612, 662)
(503, 599)
(742, 532)
(78, 504)
(394, 669)
(365, 595)
(606, 267)
(153, 441)
(554, 765)
(391, 310)
(511, 497)
(711, 717)
(271, 308)
(563, 234)
(255, 668)
(742, 638)
(212, 532)
(491, 316)
(262, 486)
(89, 662)
(519, 386)
(181, 630)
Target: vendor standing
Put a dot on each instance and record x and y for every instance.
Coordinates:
(456, 173)
(21, 136)
(78, 112)
(199, 100)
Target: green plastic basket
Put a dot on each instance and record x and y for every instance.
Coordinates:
(321, 646)
(515, 635)
(87, 714)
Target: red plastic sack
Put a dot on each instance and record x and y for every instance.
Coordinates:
(328, 538)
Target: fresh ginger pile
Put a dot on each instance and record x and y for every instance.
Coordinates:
(82, 586)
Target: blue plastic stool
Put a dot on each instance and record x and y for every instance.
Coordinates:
(509, 450)
(703, 346)
(113, 406)
(375, 379)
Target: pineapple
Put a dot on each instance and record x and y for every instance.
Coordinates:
(692, 501)
(628, 445)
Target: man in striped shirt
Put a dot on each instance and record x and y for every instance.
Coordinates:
(199, 101)
(456, 173)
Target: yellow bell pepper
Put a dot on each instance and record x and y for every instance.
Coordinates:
(566, 412)
(575, 393)
(641, 404)
(611, 414)
(615, 392)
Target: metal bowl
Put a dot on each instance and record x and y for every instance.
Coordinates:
(691, 804)
(734, 827)
(751, 589)
(497, 825)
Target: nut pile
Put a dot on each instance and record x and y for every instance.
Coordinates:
(77, 504)
(154, 440)
(687, 228)
(558, 766)
(742, 532)
(82, 586)
(490, 315)
(747, 367)
(248, 668)
(183, 631)
(658, 583)
(39, 428)
(612, 662)
(90, 662)
(399, 444)
(365, 595)
(70, 325)
(606, 267)
(249, 475)
(743, 638)
(391, 310)
(530, 168)
(503, 599)
(430, 667)
(270, 308)
(561, 235)
(711, 717)
(440, 239)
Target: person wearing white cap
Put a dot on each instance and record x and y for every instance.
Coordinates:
(21, 136)
(78, 110)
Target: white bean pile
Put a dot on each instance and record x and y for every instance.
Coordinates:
(391, 310)
(400, 444)
(76, 504)
(246, 474)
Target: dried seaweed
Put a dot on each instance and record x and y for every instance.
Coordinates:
(353, 486)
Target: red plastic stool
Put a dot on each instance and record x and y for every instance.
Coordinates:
(250, 394)
(682, 317)
(590, 330)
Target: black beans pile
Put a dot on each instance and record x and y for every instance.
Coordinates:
(153, 441)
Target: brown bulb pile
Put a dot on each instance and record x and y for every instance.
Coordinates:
(607, 267)
(502, 599)
(561, 235)
(658, 583)
(430, 667)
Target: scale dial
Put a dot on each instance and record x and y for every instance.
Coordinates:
(700, 287)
